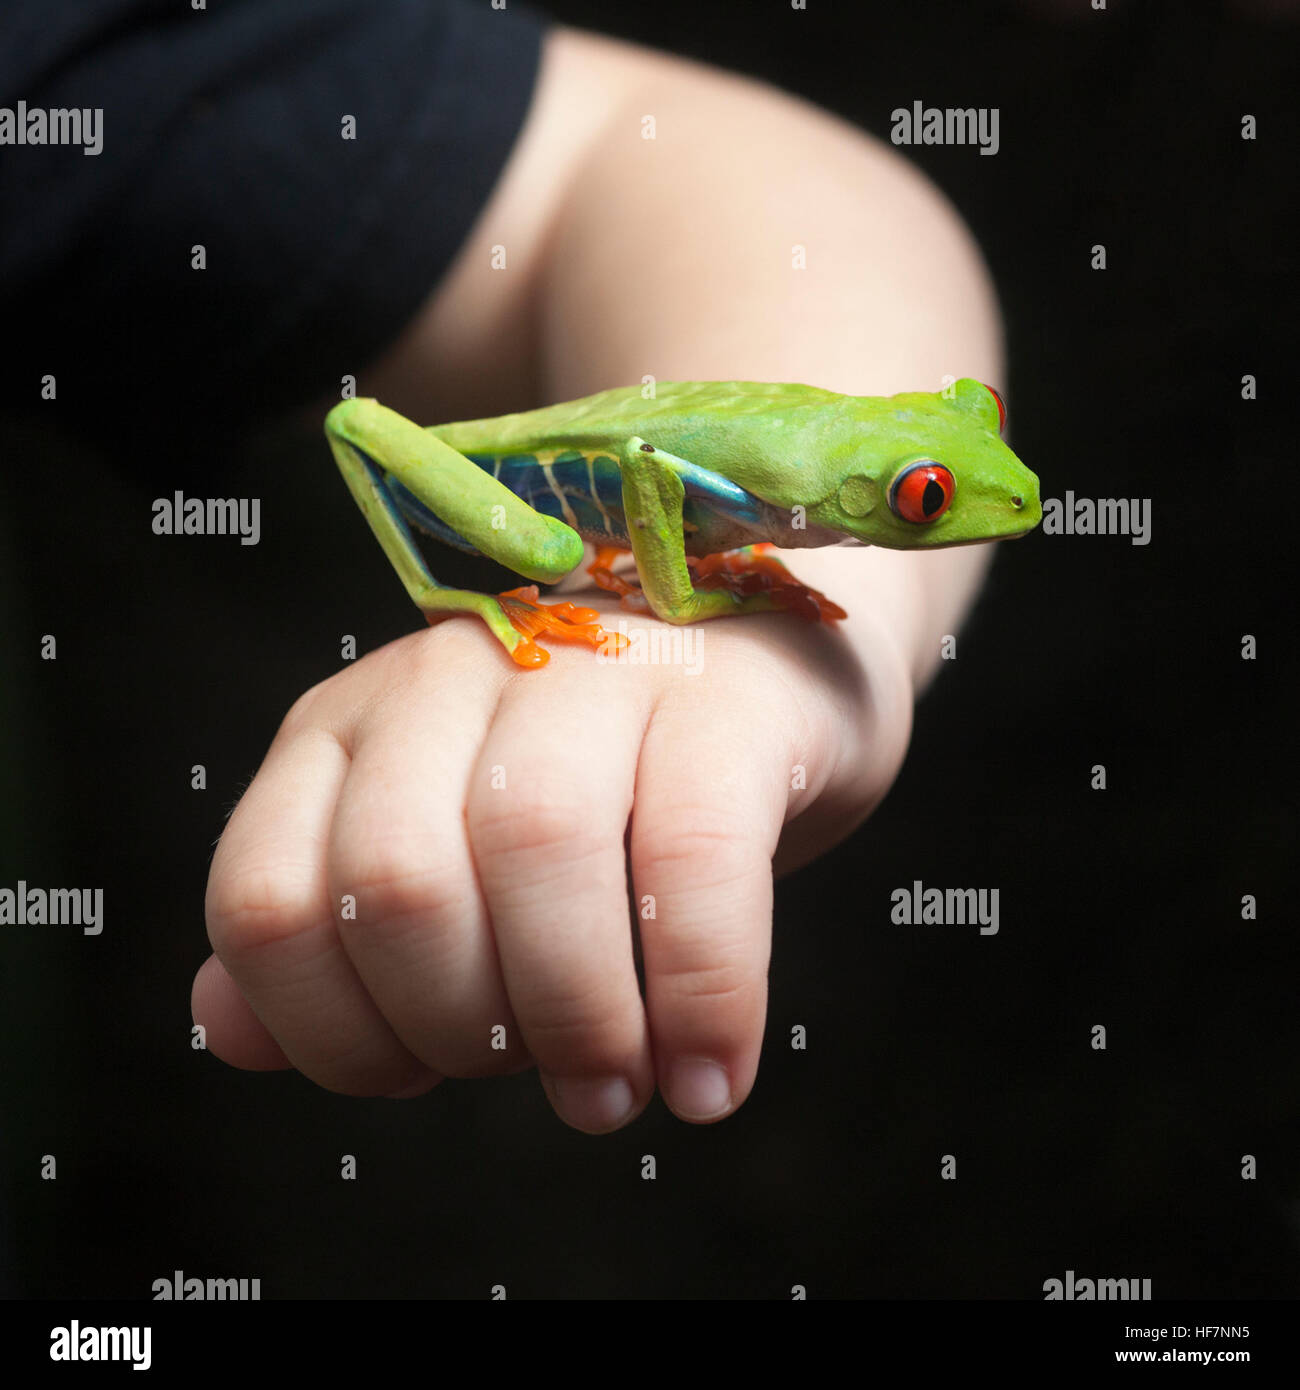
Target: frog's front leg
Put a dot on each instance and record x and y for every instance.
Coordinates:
(749, 580)
(371, 442)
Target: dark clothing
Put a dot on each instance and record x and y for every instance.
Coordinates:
(223, 129)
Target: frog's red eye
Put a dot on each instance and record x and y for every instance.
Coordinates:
(1002, 409)
(922, 492)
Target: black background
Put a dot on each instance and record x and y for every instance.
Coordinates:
(1119, 908)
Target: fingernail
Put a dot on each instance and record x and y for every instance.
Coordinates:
(593, 1103)
(698, 1089)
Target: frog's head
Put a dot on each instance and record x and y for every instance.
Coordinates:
(932, 471)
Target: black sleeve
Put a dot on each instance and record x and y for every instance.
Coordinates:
(224, 129)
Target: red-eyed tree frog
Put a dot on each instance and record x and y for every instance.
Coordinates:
(698, 482)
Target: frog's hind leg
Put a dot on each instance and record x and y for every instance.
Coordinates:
(754, 569)
(373, 445)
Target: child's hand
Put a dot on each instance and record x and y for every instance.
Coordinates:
(485, 822)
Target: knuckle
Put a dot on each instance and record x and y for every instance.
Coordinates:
(712, 839)
(705, 968)
(718, 983)
(358, 1061)
(259, 906)
(582, 1027)
(303, 713)
(448, 653)
(557, 822)
(398, 889)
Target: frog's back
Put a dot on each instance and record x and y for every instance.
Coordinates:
(563, 460)
(679, 413)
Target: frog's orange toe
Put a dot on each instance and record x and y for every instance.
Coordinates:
(559, 622)
(528, 653)
(601, 572)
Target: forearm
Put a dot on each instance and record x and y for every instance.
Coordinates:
(675, 257)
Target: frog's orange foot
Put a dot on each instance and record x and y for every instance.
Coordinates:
(758, 572)
(557, 622)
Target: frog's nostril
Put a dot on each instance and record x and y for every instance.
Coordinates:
(1017, 502)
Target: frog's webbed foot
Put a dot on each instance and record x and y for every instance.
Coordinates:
(755, 570)
(558, 622)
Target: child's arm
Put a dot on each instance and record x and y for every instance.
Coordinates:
(478, 815)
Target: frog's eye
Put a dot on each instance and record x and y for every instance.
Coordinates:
(1002, 408)
(922, 492)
